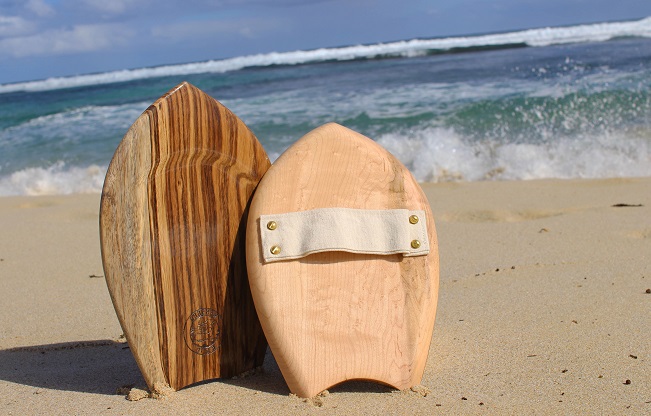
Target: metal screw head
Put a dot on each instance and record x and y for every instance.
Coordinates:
(271, 225)
(275, 250)
(415, 244)
(413, 219)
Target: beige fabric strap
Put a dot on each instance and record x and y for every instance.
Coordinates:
(298, 234)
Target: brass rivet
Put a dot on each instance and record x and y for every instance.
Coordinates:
(275, 250)
(413, 219)
(271, 225)
(414, 244)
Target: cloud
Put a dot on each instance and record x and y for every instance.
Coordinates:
(80, 38)
(194, 29)
(117, 7)
(40, 8)
(14, 26)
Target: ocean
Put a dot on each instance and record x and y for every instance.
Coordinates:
(564, 102)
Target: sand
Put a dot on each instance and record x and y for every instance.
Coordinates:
(543, 310)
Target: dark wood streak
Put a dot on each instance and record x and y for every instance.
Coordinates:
(152, 111)
(205, 166)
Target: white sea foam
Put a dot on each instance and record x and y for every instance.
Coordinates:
(433, 154)
(54, 180)
(73, 125)
(383, 102)
(440, 154)
(597, 32)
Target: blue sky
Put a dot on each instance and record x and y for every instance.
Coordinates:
(46, 38)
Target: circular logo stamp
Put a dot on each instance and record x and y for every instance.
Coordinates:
(202, 331)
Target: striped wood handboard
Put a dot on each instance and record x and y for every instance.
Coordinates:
(172, 224)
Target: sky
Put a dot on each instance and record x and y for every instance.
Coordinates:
(49, 38)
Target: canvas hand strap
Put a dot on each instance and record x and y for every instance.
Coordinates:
(295, 235)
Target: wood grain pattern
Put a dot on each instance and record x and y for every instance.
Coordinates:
(202, 166)
(335, 316)
(126, 252)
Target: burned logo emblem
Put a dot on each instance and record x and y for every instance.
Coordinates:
(202, 331)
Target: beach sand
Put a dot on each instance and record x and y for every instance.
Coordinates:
(543, 309)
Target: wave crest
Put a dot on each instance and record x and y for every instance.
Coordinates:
(433, 154)
(54, 180)
(597, 32)
(441, 154)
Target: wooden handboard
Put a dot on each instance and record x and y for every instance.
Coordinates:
(336, 316)
(172, 228)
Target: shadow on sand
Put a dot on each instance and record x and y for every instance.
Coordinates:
(102, 367)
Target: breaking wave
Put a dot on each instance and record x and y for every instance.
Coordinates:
(597, 32)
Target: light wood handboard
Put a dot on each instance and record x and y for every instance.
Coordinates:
(172, 224)
(336, 316)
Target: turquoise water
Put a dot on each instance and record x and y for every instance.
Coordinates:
(525, 109)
